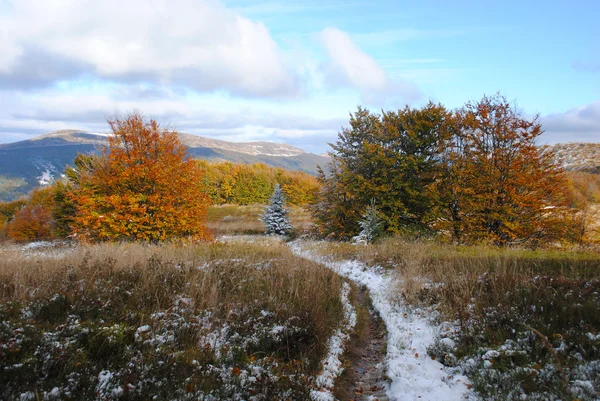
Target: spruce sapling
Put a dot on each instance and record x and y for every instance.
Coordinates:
(371, 225)
(275, 215)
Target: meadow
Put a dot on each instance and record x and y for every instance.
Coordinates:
(521, 324)
(212, 321)
(248, 317)
(235, 219)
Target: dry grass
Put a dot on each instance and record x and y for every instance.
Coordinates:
(540, 304)
(234, 219)
(180, 292)
(208, 273)
(422, 263)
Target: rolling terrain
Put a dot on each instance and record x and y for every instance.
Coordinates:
(41, 160)
(578, 156)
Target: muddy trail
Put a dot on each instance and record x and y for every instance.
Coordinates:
(364, 378)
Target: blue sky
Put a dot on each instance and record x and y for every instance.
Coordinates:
(291, 71)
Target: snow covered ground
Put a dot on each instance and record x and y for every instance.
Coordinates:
(332, 364)
(413, 374)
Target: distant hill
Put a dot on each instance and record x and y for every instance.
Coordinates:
(41, 160)
(578, 156)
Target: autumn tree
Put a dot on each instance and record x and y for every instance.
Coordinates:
(243, 184)
(142, 187)
(389, 157)
(30, 223)
(7, 212)
(36, 220)
(336, 211)
(498, 184)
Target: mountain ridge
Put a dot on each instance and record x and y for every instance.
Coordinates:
(41, 160)
(577, 156)
(62, 137)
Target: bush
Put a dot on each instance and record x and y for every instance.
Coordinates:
(30, 223)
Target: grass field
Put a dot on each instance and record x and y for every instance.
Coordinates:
(233, 219)
(213, 321)
(525, 322)
(249, 320)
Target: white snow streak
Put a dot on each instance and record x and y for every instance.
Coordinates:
(332, 364)
(414, 375)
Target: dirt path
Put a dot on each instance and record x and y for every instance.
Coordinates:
(413, 375)
(365, 379)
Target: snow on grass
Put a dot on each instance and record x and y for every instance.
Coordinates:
(413, 374)
(39, 244)
(332, 364)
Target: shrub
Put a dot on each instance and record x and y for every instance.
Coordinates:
(30, 223)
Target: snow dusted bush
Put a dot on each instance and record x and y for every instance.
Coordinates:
(371, 225)
(275, 215)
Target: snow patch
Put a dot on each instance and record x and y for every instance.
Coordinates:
(413, 374)
(332, 364)
(47, 174)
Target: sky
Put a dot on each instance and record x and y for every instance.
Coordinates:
(292, 71)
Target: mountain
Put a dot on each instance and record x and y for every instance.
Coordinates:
(39, 161)
(578, 156)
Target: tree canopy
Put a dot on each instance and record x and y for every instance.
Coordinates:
(142, 187)
(244, 184)
(472, 174)
(390, 158)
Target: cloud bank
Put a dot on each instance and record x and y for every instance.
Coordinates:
(199, 44)
(581, 124)
(349, 66)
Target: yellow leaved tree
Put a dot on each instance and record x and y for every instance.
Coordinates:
(142, 187)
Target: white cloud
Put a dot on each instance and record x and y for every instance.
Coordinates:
(197, 43)
(26, 115)
(349, 66)
(579, 124)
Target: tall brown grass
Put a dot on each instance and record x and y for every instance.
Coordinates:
(217, 276)
(235, 219)
(460, 269)
(540, 304)
(171, 320)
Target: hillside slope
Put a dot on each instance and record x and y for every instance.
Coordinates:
(40, 160)
(578, 156)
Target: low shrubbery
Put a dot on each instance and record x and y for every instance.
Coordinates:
(224, 321)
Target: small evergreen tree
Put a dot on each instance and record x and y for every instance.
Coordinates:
(371, 225)
(275, 216)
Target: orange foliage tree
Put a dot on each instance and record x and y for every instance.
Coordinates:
(474, 175)
(36, 220)
(30, 223)
(7, 211)
(142, 187)
(499, 185)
